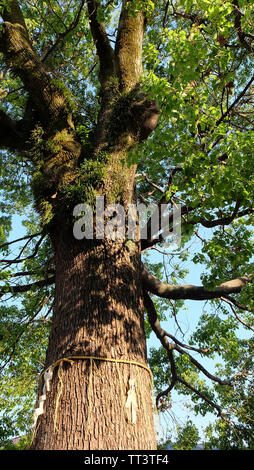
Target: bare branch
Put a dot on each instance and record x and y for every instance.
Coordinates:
(165, 14)
(30, 273)
(17, 260)
(185, 211)
(229, 300)
(149, 181)
(190, 348)
(194, 18)
(203, 369)
(222, 221)
(168, 253)
(225, 220)
(61, 36)
(233, 301)
(147, 229)
(21, 239)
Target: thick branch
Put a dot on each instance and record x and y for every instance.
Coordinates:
(102, 43)
(107, 69)
(25, 62)
(19, 289)
(171, 291)
(128, 49)
(154, 322)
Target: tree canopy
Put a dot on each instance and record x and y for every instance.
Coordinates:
(198, 65)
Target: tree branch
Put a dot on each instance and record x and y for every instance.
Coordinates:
(149, 181)
(201, 395)
(231, 301)
(235, 102)
(27, 287)
(161, 335)
(18, 51)
(194, 18)
(238, 27)
(29, 273)
(107, 70)
(129, 59)
(21, 239)
(61, 36)
(186, 346)
(13, 134)
(17, 260)
(203, 369)
(224, 220)
(171, 291)
(102, 43)
(148, 242)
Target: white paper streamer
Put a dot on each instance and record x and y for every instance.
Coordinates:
(47, 377)
(131, 402)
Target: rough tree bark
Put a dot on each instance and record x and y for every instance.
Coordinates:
(98, 306)
(96, 315)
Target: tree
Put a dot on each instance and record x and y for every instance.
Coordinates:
(109, 104)
(187, 438)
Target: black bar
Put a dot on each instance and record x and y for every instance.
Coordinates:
(117, 459)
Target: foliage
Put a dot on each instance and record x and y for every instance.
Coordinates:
(199, 67)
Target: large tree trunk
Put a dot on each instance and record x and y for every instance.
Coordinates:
(98, 308)
(98, 312)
